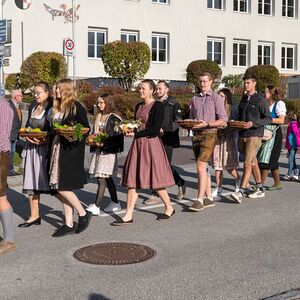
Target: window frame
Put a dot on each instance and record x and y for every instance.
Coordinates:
(263, 4)
(130, 32)
(286, 9)
(96, 30)
(241, 42)
(214, 8)
(265, 44)
(239, 6)
(286, 46)
(161, 3)
(215, 40)
(167, 37)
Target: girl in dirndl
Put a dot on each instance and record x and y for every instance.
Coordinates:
(147, 165)
(104, 164)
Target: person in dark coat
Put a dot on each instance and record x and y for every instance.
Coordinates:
(67, 158)
(16, 99)
(170, 135)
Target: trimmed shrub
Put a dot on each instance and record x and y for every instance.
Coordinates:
(196, 67)
(44, 66)
(16, 81)
(126, 61)
(233, 81)
(293, 105)
(265, 75)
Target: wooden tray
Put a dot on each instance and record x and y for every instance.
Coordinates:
(34, 134)
(237, 124)
(188, 124)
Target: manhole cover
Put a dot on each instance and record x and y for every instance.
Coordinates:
(114, 254)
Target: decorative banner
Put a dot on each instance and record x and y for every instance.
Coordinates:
(68, 14)
(23, 4)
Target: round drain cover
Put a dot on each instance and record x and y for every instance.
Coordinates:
(114, 254)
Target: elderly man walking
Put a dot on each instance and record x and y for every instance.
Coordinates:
(209, 108)
(16, 99)
(6, 213)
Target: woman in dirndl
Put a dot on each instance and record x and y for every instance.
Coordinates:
(35, 153)
(147, 165)
(225, 156)
(269, 152)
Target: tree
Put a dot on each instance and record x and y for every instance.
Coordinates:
(126, 61)
(16, 81)
(196, 67)
(44, 66)
(265, 75)
(233, 81)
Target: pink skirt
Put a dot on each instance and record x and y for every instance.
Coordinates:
(147, 165)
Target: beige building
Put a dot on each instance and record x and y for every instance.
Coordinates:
(234, 33)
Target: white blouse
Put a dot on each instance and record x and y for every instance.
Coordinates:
(280, 108)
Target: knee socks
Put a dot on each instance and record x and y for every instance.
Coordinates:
(7, 223)
(112, 189)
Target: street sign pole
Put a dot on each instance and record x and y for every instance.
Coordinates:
(73, 38)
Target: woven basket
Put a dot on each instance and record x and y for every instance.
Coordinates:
(237, 124)
(69, 131)
(188, 124)
(34, 135)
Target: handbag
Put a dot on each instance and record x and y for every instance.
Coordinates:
(268, 133)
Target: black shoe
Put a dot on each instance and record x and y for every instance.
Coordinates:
(64, 230)
(84, 221)
(121, 222)
(27, 224)
(165, 216)
(13, 173)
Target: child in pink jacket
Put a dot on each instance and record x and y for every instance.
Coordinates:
(292, 142)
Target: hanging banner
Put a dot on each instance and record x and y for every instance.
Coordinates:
(23, 4)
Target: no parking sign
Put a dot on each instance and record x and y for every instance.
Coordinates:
(68, 48)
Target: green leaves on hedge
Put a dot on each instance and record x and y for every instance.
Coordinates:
(126, 61)
(265, 75)
(44, 66)
(196, 67)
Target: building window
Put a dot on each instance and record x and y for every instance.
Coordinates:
(288, 57)
(240, 53)
(240, 5)
(129, 36)
(215, 50)
(265, 51)
(265, 7)
(96, 39)
(288, 8)
(160, 49)
(160, 1)
(215, 4)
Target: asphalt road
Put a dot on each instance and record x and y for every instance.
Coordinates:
(231, 251)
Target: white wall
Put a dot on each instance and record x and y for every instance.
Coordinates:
(188, 23)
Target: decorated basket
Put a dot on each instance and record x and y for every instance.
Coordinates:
(69, 131)
(96, 139)
(188, 124)
(31, 134)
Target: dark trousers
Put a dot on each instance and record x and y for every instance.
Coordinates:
(178, 180)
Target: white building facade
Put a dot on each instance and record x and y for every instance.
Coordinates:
(234, 33)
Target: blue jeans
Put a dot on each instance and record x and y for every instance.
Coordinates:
(11, 156)
(292, 161)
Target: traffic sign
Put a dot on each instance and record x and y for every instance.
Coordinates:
(3, 31)
(69, 46)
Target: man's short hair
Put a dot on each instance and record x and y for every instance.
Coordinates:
(208, 74)
(249, 77)
(165, 83)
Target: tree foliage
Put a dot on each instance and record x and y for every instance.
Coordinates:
(233, 81)
(16, 81)
(44, 66)
(126, 61)
(265, 75)
(196, 67)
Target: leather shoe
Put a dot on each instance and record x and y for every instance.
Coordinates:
(28, 224)
(165, 216)
(64, 230)
(121, 222)
(84, 221)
